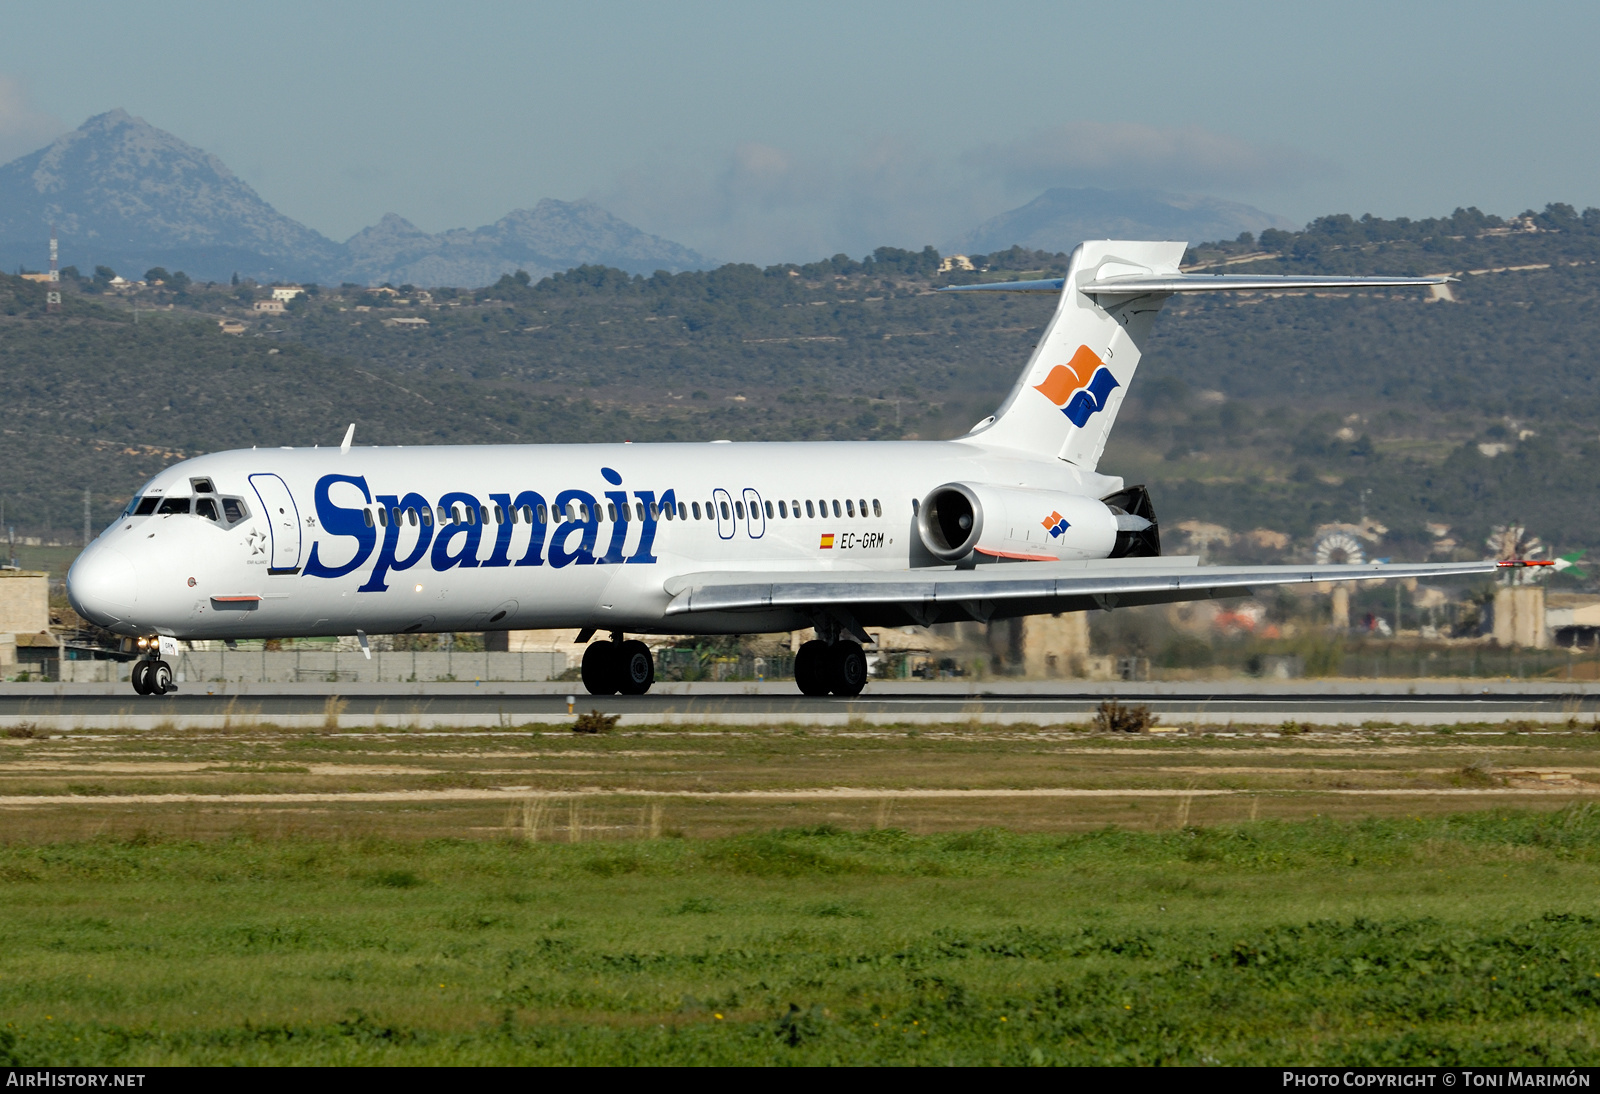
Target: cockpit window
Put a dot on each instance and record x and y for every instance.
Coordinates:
(233, 511)
(202, 486)
(174, 505)
(206, 507)
(146, 507)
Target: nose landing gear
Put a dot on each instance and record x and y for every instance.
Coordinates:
(152, 677)
(610, 667)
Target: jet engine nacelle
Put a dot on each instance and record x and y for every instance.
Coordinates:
(959, 518)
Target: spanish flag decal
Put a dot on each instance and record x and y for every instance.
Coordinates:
(827, 542)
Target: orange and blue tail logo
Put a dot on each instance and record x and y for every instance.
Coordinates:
(1055, 524)
(1080, 387)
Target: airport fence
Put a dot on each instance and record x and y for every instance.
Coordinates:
(342, 666)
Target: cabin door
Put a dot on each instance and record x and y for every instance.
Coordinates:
(283, 521)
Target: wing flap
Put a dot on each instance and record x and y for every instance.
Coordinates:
(1179, 580)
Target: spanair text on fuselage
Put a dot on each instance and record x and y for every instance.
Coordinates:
(269, 542)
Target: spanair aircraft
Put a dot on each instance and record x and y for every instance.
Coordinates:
(1014, 518)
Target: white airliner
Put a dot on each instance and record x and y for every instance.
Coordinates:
(1014, 518)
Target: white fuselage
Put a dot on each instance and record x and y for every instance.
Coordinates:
(291, 542)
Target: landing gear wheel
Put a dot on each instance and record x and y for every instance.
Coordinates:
(600, 668)
(811, 668)
(849, 669)
(140, 677)
(636, 669)
(159, 678)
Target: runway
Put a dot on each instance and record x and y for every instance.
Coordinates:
(1212, 705)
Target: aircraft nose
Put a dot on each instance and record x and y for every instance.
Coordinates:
(101, 586)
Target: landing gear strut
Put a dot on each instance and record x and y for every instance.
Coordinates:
(615, 665)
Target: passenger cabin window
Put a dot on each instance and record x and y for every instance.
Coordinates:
(173, 505)
(206, 507)
(738, 509)
(809, 513)
(863, 503)
(769, 510)
(611, 510)
(146, 507)
(683, 511)
(427, 515)
(544, 515)
(783, 509)
(836, 507)
(877, 510)
(383, 518)
(696, 510)
(725, 514)
(849, 507)
(366, 515)
(411, 517)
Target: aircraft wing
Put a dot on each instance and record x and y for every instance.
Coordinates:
(1020, 588)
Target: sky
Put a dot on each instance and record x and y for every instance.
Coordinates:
(763, 132)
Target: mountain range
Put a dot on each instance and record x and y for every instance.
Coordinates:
(124, 194)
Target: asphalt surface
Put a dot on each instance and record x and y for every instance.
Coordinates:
(445, 705)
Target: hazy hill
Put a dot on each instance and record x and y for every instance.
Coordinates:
(552, 236)
(1059, 219)
(125, 194)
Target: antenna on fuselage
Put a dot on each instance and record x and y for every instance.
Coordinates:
(349, 435)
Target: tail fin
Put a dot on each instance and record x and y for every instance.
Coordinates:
(1067, 399)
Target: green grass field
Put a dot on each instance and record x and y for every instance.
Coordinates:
(1467, 938)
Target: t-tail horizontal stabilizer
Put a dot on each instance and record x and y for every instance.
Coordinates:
(1139, 286)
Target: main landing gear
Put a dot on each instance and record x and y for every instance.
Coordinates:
(839, 669)
(152, 677)
(610, 667)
